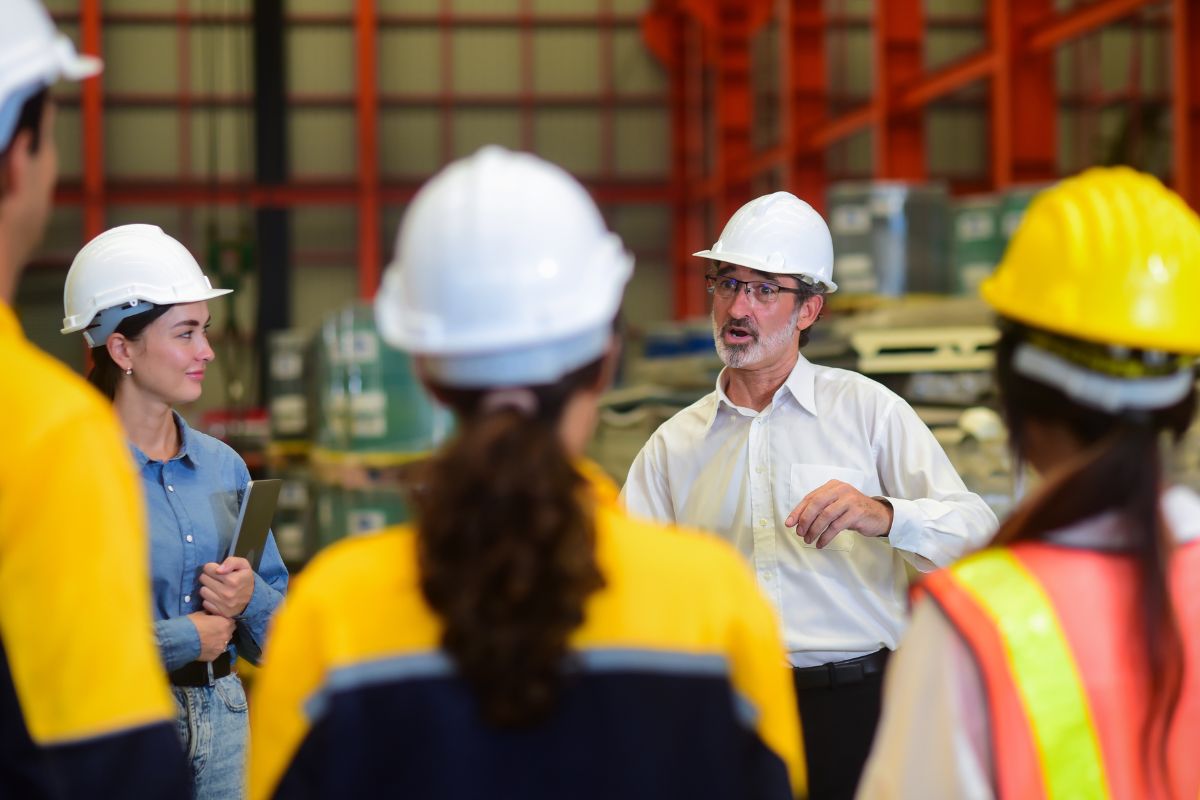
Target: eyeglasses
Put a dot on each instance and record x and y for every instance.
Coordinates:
(763, 292)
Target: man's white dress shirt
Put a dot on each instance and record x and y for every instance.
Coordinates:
(739, 473)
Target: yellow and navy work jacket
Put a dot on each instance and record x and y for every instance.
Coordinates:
(84, 706)
(682, 687)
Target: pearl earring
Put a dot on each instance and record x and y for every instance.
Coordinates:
(129, 371)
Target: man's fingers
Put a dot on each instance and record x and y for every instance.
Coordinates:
(835, 528)
(812, 504)
(233, 564)
(825, 520)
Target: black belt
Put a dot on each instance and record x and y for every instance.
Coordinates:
(841, 673)
(196, 673)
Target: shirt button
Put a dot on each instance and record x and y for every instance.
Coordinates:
(767, 576)
(758, 470)
(187, 598)
(189, 537)
(763, 522)
(170, 488)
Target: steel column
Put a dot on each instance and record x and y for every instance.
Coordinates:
(802, 24)
(92, 93)
(1185, 52)
(367, 108)
(900, 134)
(273, 225)
(1034, 109)
(733, 106)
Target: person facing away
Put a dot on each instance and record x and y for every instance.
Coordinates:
(1064, 661)
(827, 482)
(141, 302)
(84, 709)
(523, 638)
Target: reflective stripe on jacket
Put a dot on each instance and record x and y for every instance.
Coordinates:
(1058, 637)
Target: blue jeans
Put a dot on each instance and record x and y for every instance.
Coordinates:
(213, 725)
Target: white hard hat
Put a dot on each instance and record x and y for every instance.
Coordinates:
(33, 55)
(504, 274)
(781, 234)
(122, 272)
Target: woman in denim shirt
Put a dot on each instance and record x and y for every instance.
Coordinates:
(140, 299)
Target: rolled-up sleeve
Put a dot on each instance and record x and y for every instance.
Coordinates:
(178, 641)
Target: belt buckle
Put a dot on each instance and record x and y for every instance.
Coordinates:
(845, 674)
(211, 680)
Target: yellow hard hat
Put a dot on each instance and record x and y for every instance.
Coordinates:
(1109, 256)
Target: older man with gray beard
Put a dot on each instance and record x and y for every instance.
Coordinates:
(826, 481)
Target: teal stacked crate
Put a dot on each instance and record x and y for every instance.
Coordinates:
(978, 240)
(287, 386)
(889, 238)
(330, 379)
(853, 240)
(1012, 208)
(373, 508)
(293, 523)
(329, 504)
(390, 414)
(377, 420)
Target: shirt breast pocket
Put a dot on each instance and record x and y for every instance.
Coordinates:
(807, 477)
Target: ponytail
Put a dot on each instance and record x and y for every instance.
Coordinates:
(507, 548)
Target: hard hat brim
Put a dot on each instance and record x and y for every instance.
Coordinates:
(751, 262)
(75, 66)
(81, 322)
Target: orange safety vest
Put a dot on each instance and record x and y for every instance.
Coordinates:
(1056, 633)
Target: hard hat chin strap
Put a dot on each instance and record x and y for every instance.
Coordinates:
(1100, 391)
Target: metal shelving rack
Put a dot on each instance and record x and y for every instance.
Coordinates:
(707, 46)
(367, 191)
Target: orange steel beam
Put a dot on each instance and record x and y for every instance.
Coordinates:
(1048, 33)
(734, 105)
(947, 79)
(93, 125)
(367, 109)
(1000, 29)
(900, 135)
(312, 193)
(802, 24)
(1034, 112)
(1034, 36)
(844, 125)
(1185, 62)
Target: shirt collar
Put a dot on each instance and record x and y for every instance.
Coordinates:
(187, 443)
(800, 382)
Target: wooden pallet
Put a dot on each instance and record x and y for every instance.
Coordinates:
(950, 349)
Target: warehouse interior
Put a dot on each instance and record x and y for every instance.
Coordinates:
(281, 140)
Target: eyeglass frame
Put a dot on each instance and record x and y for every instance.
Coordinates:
(711, 280)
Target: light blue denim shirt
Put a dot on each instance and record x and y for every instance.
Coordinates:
(192, 504)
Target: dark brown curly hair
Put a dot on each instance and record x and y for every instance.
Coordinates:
(506, 547)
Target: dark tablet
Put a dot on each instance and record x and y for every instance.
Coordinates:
(254, 520)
